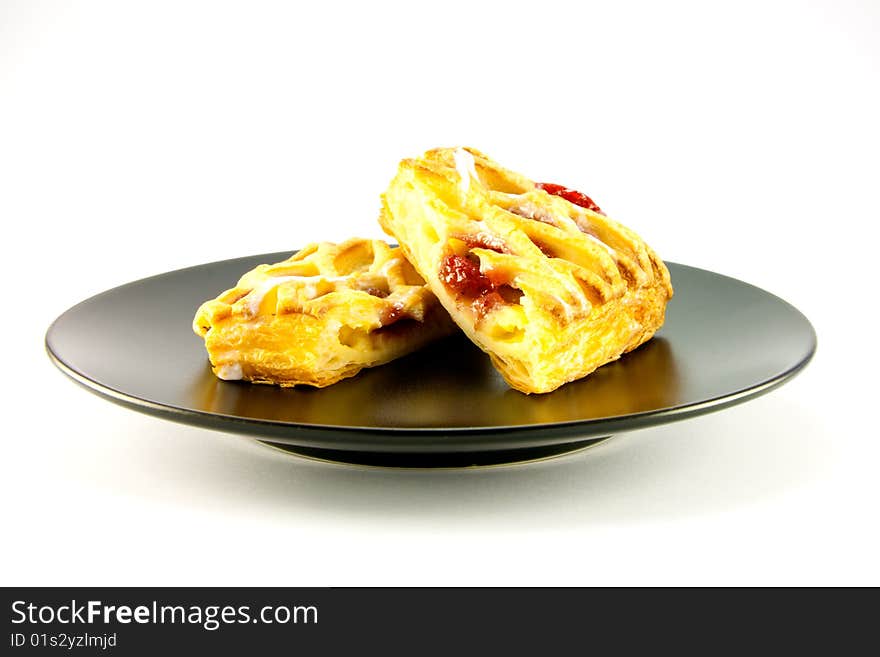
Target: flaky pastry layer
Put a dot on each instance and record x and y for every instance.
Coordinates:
(320, 316)
(545, 283)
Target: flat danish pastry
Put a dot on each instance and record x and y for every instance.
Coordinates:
(320, 316)
(534, 273)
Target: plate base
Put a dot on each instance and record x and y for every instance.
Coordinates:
(437, 459)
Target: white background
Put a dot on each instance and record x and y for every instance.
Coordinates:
(141, 137)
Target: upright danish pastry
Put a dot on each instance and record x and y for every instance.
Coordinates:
(535, 274)
(320, 316)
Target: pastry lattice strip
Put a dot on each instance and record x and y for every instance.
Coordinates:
(321, 315)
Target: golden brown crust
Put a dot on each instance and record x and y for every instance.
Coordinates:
(320, 316)
(550, 290)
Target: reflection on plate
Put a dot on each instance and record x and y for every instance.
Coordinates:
(724, 342)
(434, 388)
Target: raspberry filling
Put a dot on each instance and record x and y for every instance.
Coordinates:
(570, 195)
(462, 275)
(486, 303)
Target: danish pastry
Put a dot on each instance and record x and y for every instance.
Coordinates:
(320, 316)
(535, 274)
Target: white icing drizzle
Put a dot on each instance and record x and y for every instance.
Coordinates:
(229, 371)
(531, 211)
(255, 297)
(492, 240)
(576, 293)
(408, 296)
(601, 243)
(388, 265)
(464, 164)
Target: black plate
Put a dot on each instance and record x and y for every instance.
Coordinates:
(724, 342)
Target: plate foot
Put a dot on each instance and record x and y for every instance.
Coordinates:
(438, 459)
